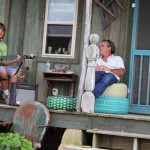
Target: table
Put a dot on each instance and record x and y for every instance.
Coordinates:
(52, 77)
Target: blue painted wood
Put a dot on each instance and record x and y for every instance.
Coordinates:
(141, 52)
(132, 49)
(140, 80)
(135, 53)
(148, 86)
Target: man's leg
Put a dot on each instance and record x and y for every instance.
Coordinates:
(11, 72)
(107, 80)
(98, 76)
(13, 78)
(4, 76)
(6, 85)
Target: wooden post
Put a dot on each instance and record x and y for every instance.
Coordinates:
(86, 44)
(135, 144)
(92, 53)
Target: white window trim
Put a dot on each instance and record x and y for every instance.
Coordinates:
(74, 23)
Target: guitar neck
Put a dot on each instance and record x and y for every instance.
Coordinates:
(7, 57)
(14, 56)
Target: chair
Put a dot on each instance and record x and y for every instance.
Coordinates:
(31, 120)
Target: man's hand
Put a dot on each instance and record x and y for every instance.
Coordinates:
(102, 68)
(119, 71)
(18, 58)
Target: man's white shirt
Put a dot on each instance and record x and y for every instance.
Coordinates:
(113, 62)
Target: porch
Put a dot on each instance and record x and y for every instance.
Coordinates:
(131, 123)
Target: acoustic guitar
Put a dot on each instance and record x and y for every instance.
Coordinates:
(13, 57)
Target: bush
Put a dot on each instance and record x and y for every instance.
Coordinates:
(11, 141)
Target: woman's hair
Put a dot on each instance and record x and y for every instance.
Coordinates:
(2, 26)
(110, 44)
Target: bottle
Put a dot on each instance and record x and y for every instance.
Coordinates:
(47, 66)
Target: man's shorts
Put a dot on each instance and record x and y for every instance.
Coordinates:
(10, 71)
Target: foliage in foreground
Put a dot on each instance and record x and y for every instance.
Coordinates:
(11, 141)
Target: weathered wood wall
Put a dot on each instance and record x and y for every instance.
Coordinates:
(25, 23)
(119, 31)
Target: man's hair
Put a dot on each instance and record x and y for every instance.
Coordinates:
(2, 26)
(110, 44)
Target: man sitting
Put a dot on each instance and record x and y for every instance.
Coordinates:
(109, 68)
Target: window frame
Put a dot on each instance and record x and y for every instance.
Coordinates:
(74, 30)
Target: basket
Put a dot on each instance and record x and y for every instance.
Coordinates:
(112, 105)
(61, 102)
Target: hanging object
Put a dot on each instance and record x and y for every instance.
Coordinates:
(108, 11)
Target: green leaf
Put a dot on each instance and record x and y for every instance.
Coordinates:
(10, 141)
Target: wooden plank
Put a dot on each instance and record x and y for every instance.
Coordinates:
(109, 12)
(124, 125)
(119, 4)
(4, 12)
(33, 35)
(16, 27)
(116, 133)
(6, 112)
(5, 123)
(73, 147)
(65, 119)
(70, 121)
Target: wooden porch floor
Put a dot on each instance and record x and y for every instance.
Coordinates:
(78, 120)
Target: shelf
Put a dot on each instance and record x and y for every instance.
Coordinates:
(59, 79)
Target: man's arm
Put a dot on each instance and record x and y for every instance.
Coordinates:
(6, 63)
(118, 72)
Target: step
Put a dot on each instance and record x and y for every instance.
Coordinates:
(73, 147)
(117, 133)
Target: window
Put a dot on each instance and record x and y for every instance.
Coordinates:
(60, 28)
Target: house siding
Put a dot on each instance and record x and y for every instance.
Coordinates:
(25, 24)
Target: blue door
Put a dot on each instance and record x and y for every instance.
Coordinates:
(139, 78)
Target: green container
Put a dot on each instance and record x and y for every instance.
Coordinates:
(61, 102)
